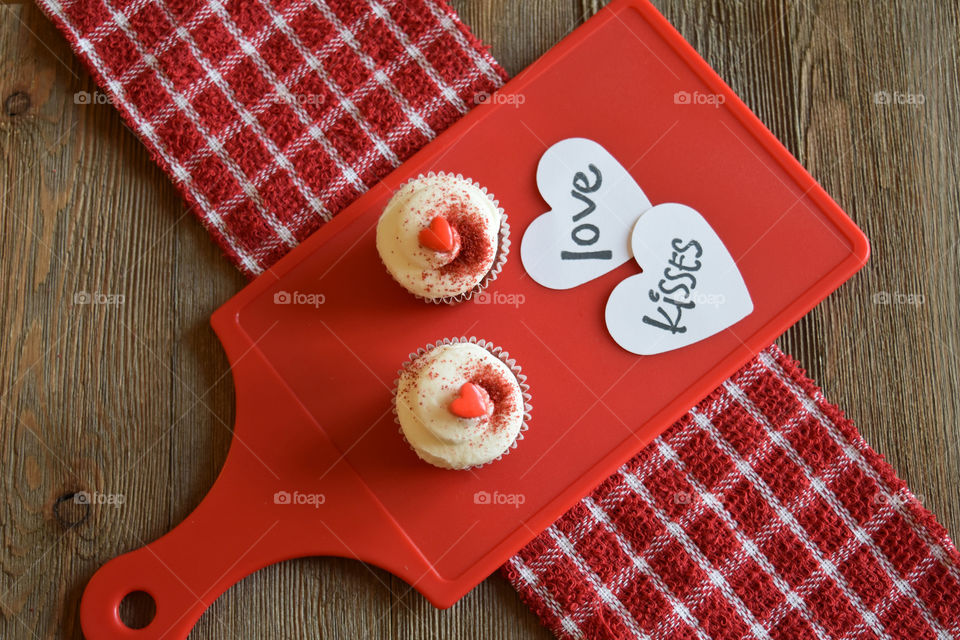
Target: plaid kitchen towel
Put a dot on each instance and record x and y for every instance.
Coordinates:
(761, 513)
(270, 117)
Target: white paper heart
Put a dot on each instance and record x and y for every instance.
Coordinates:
(690, 288)
(594, 204)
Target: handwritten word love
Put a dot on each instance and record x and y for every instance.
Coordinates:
(586, 234)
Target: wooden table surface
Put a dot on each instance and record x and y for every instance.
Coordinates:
(134, 398)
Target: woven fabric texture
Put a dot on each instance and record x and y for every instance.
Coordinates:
(762, 513)
(271, 117)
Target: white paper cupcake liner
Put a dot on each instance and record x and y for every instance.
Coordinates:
(503, 356)
(503, 245)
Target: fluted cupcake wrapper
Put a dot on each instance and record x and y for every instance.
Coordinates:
(503, 244)
(503, 356)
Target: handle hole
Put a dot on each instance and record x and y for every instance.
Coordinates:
(137, 609)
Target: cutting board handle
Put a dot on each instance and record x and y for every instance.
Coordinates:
(256, 514)
(184, 572)
(231, 534)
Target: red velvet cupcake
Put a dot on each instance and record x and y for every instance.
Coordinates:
(443, 237)
(461, 403)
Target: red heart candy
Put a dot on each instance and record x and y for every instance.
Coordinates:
(439, 236)
(472, 402)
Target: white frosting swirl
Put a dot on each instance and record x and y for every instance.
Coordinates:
(421, 270)
(428, 386)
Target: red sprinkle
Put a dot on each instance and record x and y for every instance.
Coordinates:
(476, 252)
(500, 390)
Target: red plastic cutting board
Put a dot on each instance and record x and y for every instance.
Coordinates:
(313, 384)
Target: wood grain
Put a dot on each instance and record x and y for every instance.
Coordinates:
(134, 398)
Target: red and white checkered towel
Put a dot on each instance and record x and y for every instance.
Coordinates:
(270, 117)
(761, 513)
